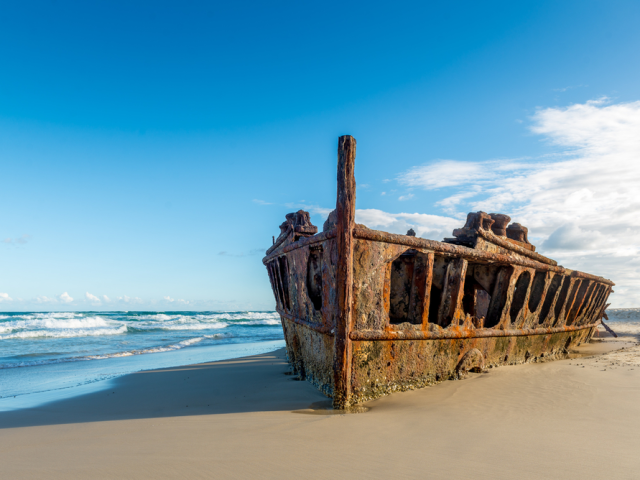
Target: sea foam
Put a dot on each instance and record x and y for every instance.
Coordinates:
(128, 353)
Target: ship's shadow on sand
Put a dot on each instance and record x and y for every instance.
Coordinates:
(253, 384)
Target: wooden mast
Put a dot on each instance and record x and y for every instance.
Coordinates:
(346, 210)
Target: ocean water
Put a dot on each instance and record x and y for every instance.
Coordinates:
(46, 352)
(624, 321)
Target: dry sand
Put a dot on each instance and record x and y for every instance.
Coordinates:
(577, 418)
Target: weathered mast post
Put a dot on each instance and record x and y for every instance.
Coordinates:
(346, 211)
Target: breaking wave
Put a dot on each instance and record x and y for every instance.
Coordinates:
(84, 358)
(66, 333)
(46, 338)
(176, 326)
(74, 325)
(59, 325)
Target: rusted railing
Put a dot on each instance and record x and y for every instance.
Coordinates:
(468, 253)
(449, 333)
(302, 242)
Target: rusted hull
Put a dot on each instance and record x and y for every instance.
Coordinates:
(383, 367)
(366, 313)
(310, 353)
(429, 344)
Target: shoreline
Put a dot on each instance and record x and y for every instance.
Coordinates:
(572, 418)
(95, 375)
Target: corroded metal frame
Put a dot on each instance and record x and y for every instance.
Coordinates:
(350, 349)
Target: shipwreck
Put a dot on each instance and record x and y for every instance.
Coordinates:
(366, 313)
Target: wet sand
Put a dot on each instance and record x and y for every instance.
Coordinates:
(576, 418)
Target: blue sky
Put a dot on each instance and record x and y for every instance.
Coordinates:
(149, 150)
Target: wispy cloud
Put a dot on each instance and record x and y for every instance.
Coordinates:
(261, 202)
(313, 209)
(44, 299)
(451, 203)
(92, 298)
(408, 196)
(255, 251)
(130, 300)
(454, 173)
(428, 226)
(444, 173)
(571, 87)
(4, 297)
(22, 240)
(62, 298)
(178, 301)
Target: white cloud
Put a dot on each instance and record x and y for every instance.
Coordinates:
(564, 89)
(130, 300)
(44, 299)
(427, 226)
(253, 251)
(313, 209)
(179, 300)
(4, 297)
(581, 204)
(443, 173)
(261, 202)
(453, 173)
(22, 240)
(105, 298)
(449, 204)
(402, 198)
(65, 298)
(92, 298)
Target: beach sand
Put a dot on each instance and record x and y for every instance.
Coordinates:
(576, 418)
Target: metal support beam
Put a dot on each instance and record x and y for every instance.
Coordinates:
(346, 211)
